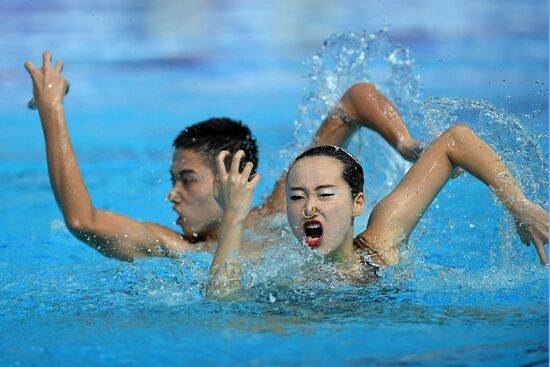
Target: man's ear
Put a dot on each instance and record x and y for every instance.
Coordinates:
(358, 204)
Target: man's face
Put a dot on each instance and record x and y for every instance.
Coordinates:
(192, 194)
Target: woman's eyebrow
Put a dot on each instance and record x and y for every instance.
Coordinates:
(325, 187)
(296, 188)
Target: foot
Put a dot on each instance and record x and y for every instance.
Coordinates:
(410, 149)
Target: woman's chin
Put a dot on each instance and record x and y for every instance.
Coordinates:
(312, 242)
(324, 251)
(322, 247)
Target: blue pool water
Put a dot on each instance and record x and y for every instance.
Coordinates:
(467, 292)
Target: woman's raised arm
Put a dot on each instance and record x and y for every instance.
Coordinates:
(394, 218)
(234, 191)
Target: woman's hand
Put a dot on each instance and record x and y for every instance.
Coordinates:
(532, 226)
(234, 190)
(49, 87)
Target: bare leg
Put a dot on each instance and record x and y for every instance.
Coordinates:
(366, 107)
(360, 106)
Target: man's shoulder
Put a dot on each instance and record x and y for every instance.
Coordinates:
(159, 229)
(170, 241)
(260, 220)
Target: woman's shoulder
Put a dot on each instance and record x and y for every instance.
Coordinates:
(368, 253)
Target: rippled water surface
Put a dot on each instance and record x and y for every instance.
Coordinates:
(467, 292)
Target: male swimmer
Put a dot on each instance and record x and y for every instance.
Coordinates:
(324, 193)
(193, 170)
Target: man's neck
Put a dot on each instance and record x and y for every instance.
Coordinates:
(209, 235)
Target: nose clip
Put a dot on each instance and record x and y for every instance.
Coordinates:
(314, 212)
(171, 196)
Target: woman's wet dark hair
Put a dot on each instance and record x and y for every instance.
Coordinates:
(352, 172)
(211, 136)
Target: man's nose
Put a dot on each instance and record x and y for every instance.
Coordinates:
(173, 196)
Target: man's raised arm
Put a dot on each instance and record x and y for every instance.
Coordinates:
(111, 234)
(362, 105)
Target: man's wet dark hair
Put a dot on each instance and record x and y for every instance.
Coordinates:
(352, 172)
(211, 136)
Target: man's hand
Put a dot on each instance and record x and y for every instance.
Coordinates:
(49, 87)
(532, 226)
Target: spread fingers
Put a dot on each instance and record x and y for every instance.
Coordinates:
(235, 162)
(59, 66)
(246, 171)
(30, 67)
(539, 245)
(46, 59)
(254, 181)
(220, 164)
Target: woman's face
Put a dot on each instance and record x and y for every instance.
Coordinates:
(316, 182)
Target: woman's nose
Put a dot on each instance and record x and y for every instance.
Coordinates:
(310, 210)
(311, 202)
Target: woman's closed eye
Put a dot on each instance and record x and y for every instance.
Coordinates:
(295, 197)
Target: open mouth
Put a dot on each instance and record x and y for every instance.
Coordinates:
(179, 220)
(313, 231)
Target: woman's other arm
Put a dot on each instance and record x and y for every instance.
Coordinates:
(394, 218)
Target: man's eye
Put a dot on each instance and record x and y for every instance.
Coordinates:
(187, 180)
(295, 197)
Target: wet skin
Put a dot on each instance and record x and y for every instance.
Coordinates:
(324, 189)
(192, 195)
(116, 235)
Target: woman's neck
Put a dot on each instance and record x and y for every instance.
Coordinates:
(345, 256)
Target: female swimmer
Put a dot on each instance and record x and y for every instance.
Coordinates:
(324, 193)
